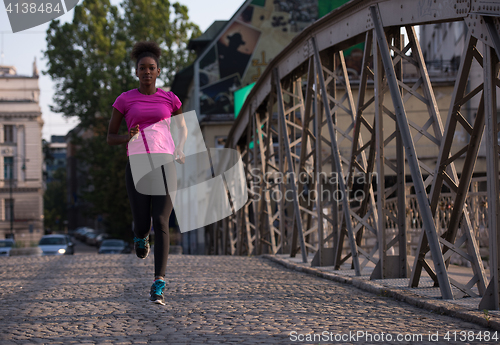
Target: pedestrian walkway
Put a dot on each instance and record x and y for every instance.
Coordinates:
(425, 295)
(103, 299)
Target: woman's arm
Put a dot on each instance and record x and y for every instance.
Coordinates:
(181, 125)
(114, 125)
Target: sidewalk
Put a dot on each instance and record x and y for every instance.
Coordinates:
(425, 296)
(223, 299)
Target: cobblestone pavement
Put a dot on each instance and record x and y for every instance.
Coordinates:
(103, 299)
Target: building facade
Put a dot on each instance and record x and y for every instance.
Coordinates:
(442, 46)
(57, 150)
(75, 175)
(21, 188)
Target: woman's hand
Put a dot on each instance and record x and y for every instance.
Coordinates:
(179, 156)
(133, 131)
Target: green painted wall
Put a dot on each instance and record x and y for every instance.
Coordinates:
(326, 6)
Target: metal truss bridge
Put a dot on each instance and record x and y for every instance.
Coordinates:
(302, 114)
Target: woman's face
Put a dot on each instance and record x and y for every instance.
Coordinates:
(147, 71)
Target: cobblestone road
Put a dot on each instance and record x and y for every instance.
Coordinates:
(101, 299)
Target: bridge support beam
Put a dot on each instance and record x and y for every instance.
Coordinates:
(402, 121)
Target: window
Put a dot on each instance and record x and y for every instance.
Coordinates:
(8, 167)
(459, 30)
(8, 133)
(9, 209)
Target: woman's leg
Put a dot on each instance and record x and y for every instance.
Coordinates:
(140, 205)
(162, 208)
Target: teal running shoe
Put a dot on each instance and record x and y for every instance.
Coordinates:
(141, 246)
(156, 294)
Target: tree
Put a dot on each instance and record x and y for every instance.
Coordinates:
(54, 201)
(89, 59)
(48, 157)
(170, 28)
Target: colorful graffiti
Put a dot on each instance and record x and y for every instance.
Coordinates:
(244, 49)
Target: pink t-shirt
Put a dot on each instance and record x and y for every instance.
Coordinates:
(152, 113)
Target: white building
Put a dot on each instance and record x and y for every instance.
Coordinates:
(443, 48)
(442, 44)
(21, 194)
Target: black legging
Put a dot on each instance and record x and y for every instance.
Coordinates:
(141, 212)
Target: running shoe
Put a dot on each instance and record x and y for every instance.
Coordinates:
(156, 294)
(141, 246)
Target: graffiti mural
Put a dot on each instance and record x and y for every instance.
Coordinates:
(243, 50)
(218, 98)
(235, 48)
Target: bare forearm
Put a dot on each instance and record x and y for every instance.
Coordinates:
(182, 137)
(117, 139)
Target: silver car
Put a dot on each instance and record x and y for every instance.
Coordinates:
(114, 247)
(5, 246)
(56, 245)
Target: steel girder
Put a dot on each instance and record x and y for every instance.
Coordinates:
(296, 104)
(445, 173)
(491, 298)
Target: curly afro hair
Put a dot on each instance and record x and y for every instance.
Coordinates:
(146, 49)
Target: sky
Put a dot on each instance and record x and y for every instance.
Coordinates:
(21, 48)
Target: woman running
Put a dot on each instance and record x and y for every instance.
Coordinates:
(143, 107)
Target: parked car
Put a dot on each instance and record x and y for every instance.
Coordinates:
(5, 246)
(90, 238)
(56, 245)
(114, 247)
(100, 238)
(76, 231)
(88, 233)
(84, 232)
(81, 232)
